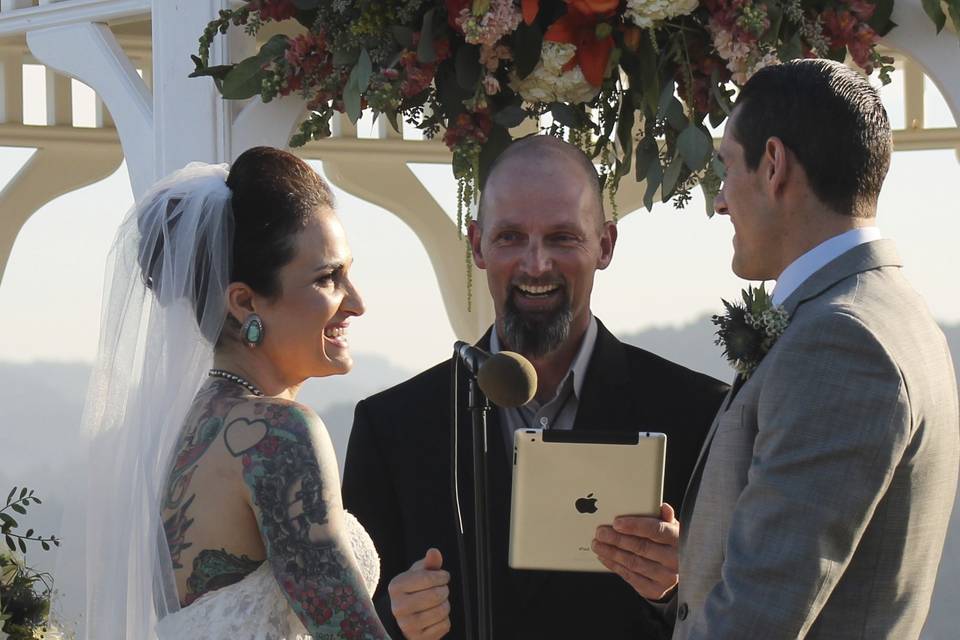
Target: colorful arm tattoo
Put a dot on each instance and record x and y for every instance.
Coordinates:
(310, 562)
(200, 433)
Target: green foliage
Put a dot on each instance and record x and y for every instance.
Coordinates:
(24, 592)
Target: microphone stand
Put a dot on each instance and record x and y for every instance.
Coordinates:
(479, 406)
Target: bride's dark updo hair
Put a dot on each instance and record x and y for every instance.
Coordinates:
(274, 194)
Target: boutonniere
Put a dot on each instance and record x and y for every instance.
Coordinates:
(748, 330)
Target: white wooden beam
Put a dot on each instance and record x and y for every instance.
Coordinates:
(90, 53)
(15, 20)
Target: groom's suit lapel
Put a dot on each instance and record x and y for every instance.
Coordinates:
(867, 256)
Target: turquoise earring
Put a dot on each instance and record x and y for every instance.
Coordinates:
(252, 331)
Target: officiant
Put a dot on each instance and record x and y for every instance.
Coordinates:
(541, 236)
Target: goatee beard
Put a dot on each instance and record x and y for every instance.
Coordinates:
(535, 335)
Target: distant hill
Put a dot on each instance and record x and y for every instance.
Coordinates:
(42, 402)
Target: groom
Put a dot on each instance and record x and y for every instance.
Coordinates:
(821, 499)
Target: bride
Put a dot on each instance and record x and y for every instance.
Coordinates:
(215, 504)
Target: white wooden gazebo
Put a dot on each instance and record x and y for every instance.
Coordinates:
(160, 120)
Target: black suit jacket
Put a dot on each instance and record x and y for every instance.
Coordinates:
(397, 481)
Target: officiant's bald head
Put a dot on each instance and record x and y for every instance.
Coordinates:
(548, 163)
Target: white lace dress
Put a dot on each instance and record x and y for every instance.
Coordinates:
(255, 608)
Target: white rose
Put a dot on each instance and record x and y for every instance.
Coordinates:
(644, 13)
(548, 82)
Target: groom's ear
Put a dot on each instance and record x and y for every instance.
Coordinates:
(777, 165)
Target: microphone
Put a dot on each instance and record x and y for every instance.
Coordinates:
(506, 378)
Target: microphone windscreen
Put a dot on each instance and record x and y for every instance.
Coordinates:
(508, 379)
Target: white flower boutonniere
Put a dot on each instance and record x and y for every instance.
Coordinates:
(748, 330)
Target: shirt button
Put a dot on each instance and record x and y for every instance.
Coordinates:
(544, 421)
(683, 611)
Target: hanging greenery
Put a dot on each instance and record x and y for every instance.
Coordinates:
(633, 82)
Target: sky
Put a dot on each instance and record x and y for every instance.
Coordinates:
(669, 267)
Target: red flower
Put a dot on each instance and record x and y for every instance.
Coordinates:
(593, 7)
(454, 7)
(530, 9)
(274, 9)
(593, 53)
(468, 126)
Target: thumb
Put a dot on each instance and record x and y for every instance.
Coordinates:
(666, 513)
(433, 560)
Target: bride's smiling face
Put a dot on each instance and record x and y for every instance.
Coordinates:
(306, 325)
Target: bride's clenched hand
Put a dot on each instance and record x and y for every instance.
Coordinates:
(420, 598)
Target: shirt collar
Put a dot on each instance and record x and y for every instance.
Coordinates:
(578, 368)
(818, 257)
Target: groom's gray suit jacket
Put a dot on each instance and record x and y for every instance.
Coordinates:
(820, 502)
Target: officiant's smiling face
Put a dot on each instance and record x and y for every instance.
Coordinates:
(541, 239)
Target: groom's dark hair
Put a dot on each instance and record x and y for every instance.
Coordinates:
(830, 117)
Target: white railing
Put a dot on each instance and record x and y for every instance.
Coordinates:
(20, 16)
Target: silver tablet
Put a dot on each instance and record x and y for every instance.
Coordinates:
(567, 483)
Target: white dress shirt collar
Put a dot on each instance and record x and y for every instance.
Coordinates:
(818, 257)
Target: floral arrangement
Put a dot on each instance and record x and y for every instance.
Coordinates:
(633, 82)
(749, 330)
(24, 592)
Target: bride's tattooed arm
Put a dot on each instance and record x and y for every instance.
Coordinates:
(298, 508)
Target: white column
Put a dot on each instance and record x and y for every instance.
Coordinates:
(192, 121)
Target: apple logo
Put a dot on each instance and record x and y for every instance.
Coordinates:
(586, 505)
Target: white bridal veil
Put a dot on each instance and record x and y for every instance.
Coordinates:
(163, 310)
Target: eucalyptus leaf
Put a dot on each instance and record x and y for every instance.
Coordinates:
(935, 12)
(510, 116)
(625, 134)
(10, 496)
(45, 546)
(218, 72)
(23, 492)
(244, 80)
(351, 98)
(880, 20)
(670, 177)
(666, 95)
(364, 70)
(649, 74)
(953, 8)
(792, 48)
(497, 142)
(675, 115)
(19, 509)
(467, 64)
(425, 50)
(647, 154)
(23, 545)
(565, 114)
(403, 35)
(708, 200)
(29, 533)
(11, 543)
(718, 167)
(654, 178)
(525, 43)
(7, 520)
(274, 47)
(695, 146)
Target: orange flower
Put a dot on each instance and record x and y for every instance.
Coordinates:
(593, 7)
(593, 53)
(530, 9)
